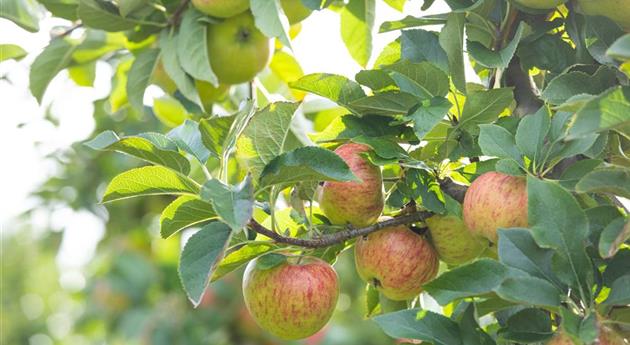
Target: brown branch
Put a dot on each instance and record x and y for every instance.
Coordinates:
(454, 190)
(338, 237)
(69, 30)
(176, 17)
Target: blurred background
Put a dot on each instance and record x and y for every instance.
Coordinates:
(75, 272)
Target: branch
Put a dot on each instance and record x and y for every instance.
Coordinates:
(338, 237)
(454, 190)
(176, 17)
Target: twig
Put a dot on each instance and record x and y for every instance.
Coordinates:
(69, 30)
(176, 17)
(338, 237)
(454, 190)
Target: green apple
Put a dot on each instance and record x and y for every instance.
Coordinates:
(209, 94)
(453, 242)
(237, 49)
(221, 8)
(617, 10)
(295, 10)
(292, 300)
(397, 261)
(356, 203)
(161, 79)
(540, 4)
(495, 200)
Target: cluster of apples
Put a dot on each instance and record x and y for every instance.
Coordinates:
(617, 10)
(297, 297)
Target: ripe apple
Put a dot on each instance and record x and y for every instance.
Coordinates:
(357, 203)
(541, 4)
(209, 94)
(453, 242)
(294, 299)
(295, 10)
(397, 261)
(617, 10)
(221, 8)
(237, 49)
(495, 200)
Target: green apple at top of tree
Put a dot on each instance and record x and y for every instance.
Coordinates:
(453, 242)
(221, 8)
(357, 203)
(495, 200)
(294, 299)
(397, 261)
(541, 4)
(617, 10)
(238, 50)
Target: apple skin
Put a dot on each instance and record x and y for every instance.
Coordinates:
(238, 51)
(161, 79)
(397, 261)
(495, 200)
(357, 203)
(453, 242)
(295, 10)
(292, 300)
(617, 10)
(540, 4)
(221, 8)
(209, 94)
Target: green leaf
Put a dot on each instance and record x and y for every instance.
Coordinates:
(607, 111)
(128, 6)
(613, 180)
(241, 119)
(567, 85)
(529, 290)
(239, 256)
(385, 148)
(214, 132)
(338, 89)
(185, 84)
(11, 51)
(350, 126)
(268, 134)
(233, 204)
(601, 33)
(55, 57)
(613, 236)
(385, 103)
(372, 300)
(199, 258)
(527, 326)
(154, 148)
(495, 59)
(531, 134)
(309, 163)
(476, 278)
(547, 52)
(412, 22)
(619, 292)
(269, 21)
(396, 4)
(574, 173)
(84, 74)
(149, 180)
(66, 9)
(139, 75)
(498, 142)
(375, 79)
(188, 138)
(484, 106)
(357, 23)
(423, 80)
(24, 13)
(428, 115)
(182, 213)
(103, 15)
(421, 325)
(518, 249)
(620, 49)
(192, 47)
(452, 41)
(421, 45)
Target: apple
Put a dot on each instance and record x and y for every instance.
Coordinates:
(617, 10)
(356, 203)
(453, 242)
(495, 200)
(397, 261)
(294, 299)
(209, 94)
(161, 79)
(540, 4)
(221, 8)
(295, 10)
(238, 50)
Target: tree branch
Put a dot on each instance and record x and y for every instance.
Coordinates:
(176, 17)
(454, 190)
(338, 237)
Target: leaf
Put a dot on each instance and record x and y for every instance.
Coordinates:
(103, 15)
(547, 52)
(428, 115)
(574, 173)
(531, 134)
(233, 204)
(192, 46)
(139, 75)
(476, 278)
(498, 142)
(412, 22)
(309, 163)
(214, 132)
(269, 21)
(375, 79)
(268, 134)
(55, 57)
(338, 89)
(23, 13)
(423, 80)
(11, 51)
(168, 43)
(452, 41)
(529, 290)
(385, 103)
(238, 257)
(372, 300)
(517, 248)
(420, 45)
(567, 85)
(199, 258)
(350, 126)
(66, 9)
(149, 180)
(600, 34)
(421, 325)
(188, 138)
(527, 326)
(396, 4)
(613, 236)
(484, 106)
(128, 6)
(620, 49)
(619, 292)
(495, 59)
(613, 180)
(182, 213)
(357, 23)
(607, 111)
(154, 148)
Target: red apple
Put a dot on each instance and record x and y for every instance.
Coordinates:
(495, 200)
(294, 299)
(397, 261)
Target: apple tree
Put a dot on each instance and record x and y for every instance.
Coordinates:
(479, 212)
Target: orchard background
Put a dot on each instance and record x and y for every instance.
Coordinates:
(314, 137)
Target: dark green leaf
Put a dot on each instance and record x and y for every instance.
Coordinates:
(337, 88)
(428, 115)
(619, 293)
(422, 80)
(103, 15)
(185, 84)
(531, 134)
(55, 57)
(385, 103)
(607, 111)
(484, 106)
(139, 75)
(613, 180)
(421, 325)
(192, 46)
(567, 85)
(528, 326)
(452, 41)
(529, 290)
(495, 59)
(421, 45)
(518, 249)
(497, 141)
(620, 49)
(615, 234)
